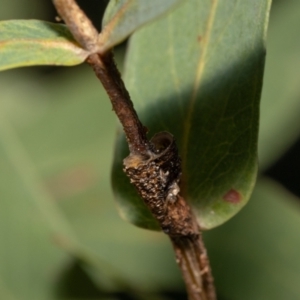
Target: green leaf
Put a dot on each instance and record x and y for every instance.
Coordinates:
(32, 42)
(122, 17)
(78, 138)
(33, 225)
(198, 74)
(280, 125)
(256, 254)
(70, 138)
(27, 242)
(23, 10)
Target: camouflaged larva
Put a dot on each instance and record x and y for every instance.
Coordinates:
(156, 176)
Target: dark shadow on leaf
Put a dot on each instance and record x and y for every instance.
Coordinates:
(221, 149)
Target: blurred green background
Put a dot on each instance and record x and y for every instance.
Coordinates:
(60, 233)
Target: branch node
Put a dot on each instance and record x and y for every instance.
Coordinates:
(79, 24)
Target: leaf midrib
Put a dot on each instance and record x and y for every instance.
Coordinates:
(104, 36)
(197, 83)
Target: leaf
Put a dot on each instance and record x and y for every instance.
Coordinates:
(27, 245)
(280, 125)
(199, 77)
(33, 224)
(256, 254)
(122, 17)
(70, 138)
(32, 42)
(86, 146)
(24, 11)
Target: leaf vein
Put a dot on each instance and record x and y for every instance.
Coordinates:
(197, 82)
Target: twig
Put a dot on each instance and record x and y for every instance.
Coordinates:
(153, 167)
(194, 264)
(79, 24)
(105, 69)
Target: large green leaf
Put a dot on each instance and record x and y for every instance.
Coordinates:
(69, 136)
(12, 9)
(123, 17)
(29, 259)
(198, 74)
(256, 254)
(33, 42)
(40, 164)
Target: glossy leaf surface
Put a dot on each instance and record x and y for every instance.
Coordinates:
(123, 17)
(200, 77)
(32, 42)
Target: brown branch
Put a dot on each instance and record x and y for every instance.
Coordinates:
(153, 167)
(192, 259)
(106, 70)
(156, 180)
(79, 24)
(148, 164)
